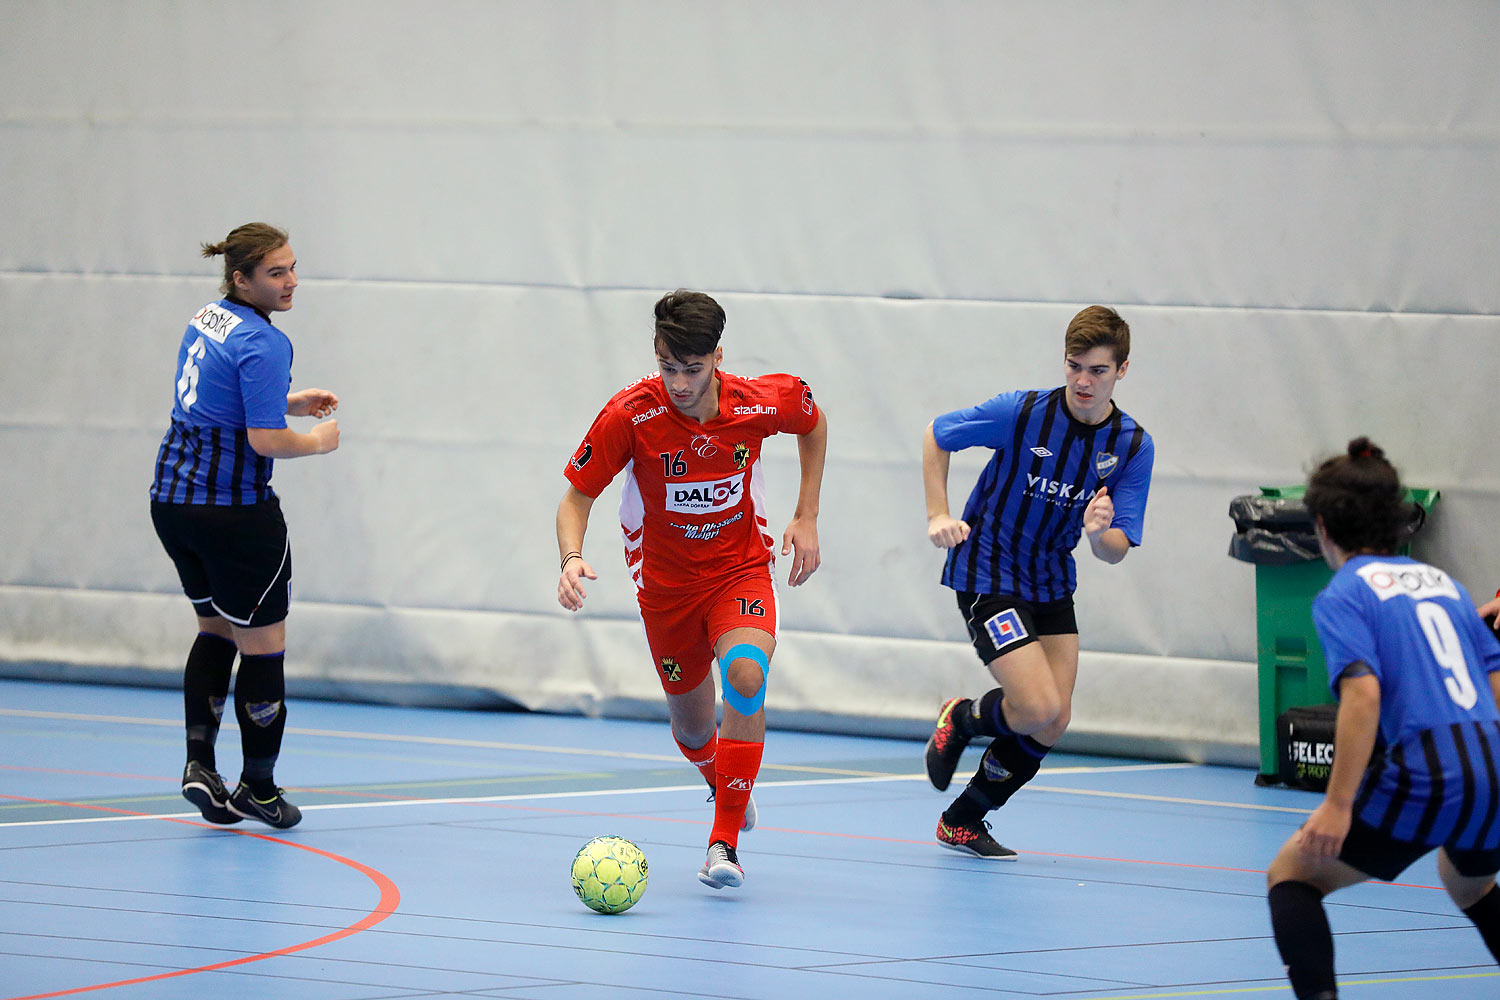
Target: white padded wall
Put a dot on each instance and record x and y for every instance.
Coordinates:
(904, 203)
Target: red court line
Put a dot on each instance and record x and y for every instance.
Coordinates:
(390, 898)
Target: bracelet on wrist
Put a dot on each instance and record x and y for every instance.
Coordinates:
(570, 555)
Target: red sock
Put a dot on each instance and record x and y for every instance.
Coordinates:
(702, 758)
(739, 763)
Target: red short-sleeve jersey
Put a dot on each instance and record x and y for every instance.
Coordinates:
(693, 507)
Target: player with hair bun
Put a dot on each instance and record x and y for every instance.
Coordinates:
(697, 542)
(219, 520)
(1417, 674)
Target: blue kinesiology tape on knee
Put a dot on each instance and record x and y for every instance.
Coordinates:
(732, 698)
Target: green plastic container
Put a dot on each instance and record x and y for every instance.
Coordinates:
(1289, 657)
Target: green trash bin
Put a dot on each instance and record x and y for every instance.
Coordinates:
(1289, 573)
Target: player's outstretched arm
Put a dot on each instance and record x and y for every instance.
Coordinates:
(801, 536)
(1108, 543)
(942, 529)
(283, 442)
(572, 524)
(311, 403)
(1323, 834)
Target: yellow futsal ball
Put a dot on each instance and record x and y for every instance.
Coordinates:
(610, 874)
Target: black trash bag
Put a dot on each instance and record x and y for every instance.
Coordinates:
(1272, 531)
(1278, 531)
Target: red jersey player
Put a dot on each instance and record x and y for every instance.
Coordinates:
(697, 543)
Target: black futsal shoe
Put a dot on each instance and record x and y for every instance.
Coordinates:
(973, 838)
(275, 811)
(946, 745)
(205, 789)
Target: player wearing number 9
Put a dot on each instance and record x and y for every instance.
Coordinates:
(219, 520)
(1415, 671)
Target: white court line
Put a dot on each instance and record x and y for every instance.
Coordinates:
(1254, 807)
(523, 747)
(425, 740)
(806, 782)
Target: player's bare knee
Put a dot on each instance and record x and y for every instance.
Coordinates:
(1053, 731)
(746, 677)
(1032, 711)
(1277, 873)
(744, 668)
(694, 737)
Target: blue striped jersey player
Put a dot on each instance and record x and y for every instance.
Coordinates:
(221, 524)
(1068, 464)
(1416, 672)
(1415, 629)
(1025, 514)
(234, 370)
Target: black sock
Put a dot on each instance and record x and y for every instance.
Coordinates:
(1008, 763)
(984, 717)
(1486, 916)
(966, 810)
(1303, 938)
(260, 706)
(205, 687)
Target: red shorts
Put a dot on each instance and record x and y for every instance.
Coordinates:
(682, 633)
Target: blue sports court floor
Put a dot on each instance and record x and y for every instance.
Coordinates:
(433, 861)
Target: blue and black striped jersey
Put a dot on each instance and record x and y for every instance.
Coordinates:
(1025, 514)
(1416, 628)
(234, 369)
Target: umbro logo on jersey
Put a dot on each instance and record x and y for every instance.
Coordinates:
(1041, 452)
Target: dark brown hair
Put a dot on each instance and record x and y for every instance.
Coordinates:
(1098, 326)
(688, 324)
(244, 248)
(1360, 499)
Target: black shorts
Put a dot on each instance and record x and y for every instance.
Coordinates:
(233, 561)
(1381, 856)
(1000, 623)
